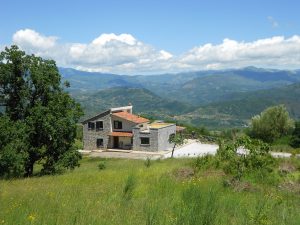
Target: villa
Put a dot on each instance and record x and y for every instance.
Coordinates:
(119, 128)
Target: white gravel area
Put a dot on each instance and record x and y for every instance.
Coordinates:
(194, 150)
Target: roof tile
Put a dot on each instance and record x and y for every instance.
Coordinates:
(131, 117)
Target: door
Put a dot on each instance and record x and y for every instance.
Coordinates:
(116, 142)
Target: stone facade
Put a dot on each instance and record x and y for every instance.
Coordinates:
(90, 136)
(158, 135)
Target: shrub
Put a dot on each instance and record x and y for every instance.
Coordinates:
(271, 124)
(255, 160)
(147, 162)
(101, 166)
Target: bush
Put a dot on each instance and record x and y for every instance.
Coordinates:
(147, 162)
(256, 160)
(101, 166)
(271, 124)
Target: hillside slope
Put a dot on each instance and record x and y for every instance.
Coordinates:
(143, 100)
(243, 107)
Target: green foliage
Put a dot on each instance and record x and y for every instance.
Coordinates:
(34, 99)
(257, 158)
(13, 144)
(79, 132)
(129, 187)
(271, 124)
(147, 162)
(177, 139)
(101, 165)
(295, 140)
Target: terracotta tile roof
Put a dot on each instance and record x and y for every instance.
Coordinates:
(131, 117)
(121, 134)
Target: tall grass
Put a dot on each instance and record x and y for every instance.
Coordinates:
(127, 192)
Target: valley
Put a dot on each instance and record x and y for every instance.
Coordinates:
(214, 99)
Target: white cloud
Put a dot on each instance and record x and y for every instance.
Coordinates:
(31, 39)
(124, 54)
(273, 22)
(277, 52)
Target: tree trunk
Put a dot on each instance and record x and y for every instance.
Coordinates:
(29, 169)
(173, 150)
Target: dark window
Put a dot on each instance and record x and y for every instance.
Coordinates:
(91, 125)
(117, 125)
(99, 142)
(145, 141)
(99, 125)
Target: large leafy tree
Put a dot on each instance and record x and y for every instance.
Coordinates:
(272, 123)
(31, 91)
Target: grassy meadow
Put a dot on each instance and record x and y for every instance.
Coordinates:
(134, 192)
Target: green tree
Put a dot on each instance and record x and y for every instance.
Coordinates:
(177, 139)
(33, 95)
(295, 140)
(272, 123)
(13, 145)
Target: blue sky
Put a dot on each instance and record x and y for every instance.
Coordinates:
(175, 27)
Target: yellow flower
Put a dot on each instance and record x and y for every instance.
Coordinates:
(31, 217)
(2, 221)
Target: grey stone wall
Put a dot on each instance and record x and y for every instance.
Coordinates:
(90, 136)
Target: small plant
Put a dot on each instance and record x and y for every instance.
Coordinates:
(129, 187)
(147, 163)
(101, 166)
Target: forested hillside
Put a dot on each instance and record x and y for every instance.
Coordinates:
(215, 98)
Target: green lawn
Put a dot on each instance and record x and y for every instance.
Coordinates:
(128, 192)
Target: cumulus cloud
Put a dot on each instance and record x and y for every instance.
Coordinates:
(33, 40)
(107, 53)
(124, 54)
(277, 52)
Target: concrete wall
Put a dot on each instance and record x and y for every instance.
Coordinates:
(90, 136)
(159, 139)
(137, 146)
(163, 137)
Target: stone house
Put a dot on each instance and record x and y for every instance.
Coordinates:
(119, 128)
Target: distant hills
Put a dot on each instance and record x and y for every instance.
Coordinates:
(242, 107)
(216, 99)
(144, 101)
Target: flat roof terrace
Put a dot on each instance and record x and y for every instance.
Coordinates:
(156, 125)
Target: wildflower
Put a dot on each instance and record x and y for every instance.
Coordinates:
(31, 217)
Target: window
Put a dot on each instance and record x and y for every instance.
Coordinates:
(117, 125)
(99, 142)
(91, 125)
(99, 125)
(145, 141)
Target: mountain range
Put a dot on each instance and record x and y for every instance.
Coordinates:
(214, 98)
